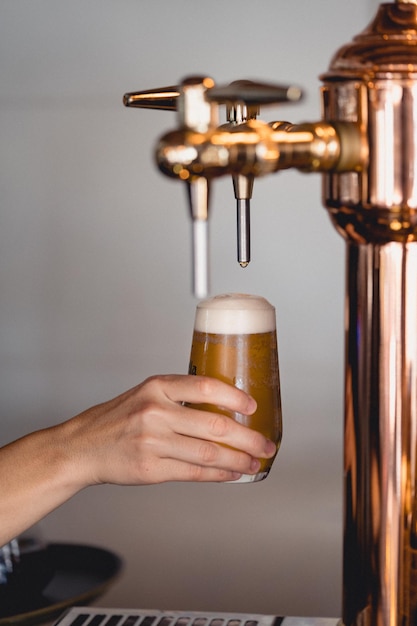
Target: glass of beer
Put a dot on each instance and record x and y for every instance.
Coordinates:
(235, 340)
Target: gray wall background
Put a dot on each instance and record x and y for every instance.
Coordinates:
(95, 284)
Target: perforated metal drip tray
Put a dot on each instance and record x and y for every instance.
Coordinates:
(82, 616)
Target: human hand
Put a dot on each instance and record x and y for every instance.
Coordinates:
(147, 435)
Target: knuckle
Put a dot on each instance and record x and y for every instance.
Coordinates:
(196, 473)
(219, 425)
(207, 386)
(152, 383)
(144, 446)
(147, 420)
(149, 410)
(145, 442)
(207, 453)
(223, 475)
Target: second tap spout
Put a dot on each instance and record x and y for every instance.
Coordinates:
(239, 113)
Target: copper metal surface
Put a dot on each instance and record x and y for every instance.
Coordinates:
(372, 82)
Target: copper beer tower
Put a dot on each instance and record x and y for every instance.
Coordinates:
(365, 146)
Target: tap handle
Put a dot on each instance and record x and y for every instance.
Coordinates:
(253, 93)
(164, 99)
(250, 93)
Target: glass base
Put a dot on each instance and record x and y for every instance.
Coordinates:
(250, 478)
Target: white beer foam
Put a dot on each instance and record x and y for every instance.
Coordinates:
(235, 314)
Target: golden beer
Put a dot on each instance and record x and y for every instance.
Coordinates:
(235, 340)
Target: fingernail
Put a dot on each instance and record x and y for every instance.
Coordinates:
(236, 475)
(252, 405)
(255, 465)
(270, 448)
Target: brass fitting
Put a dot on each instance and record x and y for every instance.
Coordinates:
(256, 148)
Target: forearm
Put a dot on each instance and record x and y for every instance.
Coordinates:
(36, 476)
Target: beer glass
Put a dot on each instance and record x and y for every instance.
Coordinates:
(235, 340)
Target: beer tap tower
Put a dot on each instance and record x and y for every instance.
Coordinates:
(365, 146)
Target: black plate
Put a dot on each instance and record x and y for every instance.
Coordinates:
(70, 575)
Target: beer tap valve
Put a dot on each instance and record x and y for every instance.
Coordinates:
(239, 113)
(190, 155)
(244, 148)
